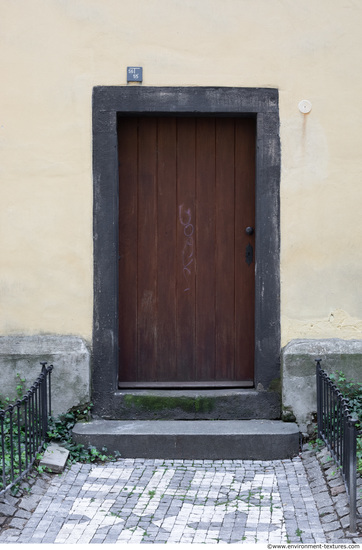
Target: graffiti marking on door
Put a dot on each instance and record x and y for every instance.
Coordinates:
(185, 218)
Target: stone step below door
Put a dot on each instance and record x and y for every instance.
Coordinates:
(195, 404)
(192, 439)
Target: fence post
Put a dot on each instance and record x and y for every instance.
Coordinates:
(319, 398)
(18, 405)
(43, 393)
(11, 411)
(2, 418)
(50, 368)
(352, 473)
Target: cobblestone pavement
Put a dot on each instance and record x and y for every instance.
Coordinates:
(330, 496)
(182, 501)
(159, 501)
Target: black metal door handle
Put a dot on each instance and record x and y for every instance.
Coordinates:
(249, 230)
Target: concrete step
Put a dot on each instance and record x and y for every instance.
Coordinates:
(194, 404)
(192, 439)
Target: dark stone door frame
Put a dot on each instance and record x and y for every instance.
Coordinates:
(108, 103)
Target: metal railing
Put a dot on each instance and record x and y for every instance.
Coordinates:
(337, 429)
(23, 429)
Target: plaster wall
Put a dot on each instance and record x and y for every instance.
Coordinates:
(299, 374)
(20, 358)
(52, 54)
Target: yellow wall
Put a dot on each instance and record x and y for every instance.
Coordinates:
(52, 52)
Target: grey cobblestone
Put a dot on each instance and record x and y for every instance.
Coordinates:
(334, 482)
(165, 501)
(7, 509)
(31, 502)
(18, 523)
(329, 518)
(327, 510)
(13, 501)
(342, 510)
(335, 530)
(345, 522)
(335, 516)
(21, 513)
(340, 499)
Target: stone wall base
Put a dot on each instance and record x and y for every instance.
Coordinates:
(71, 359)
(299, 373)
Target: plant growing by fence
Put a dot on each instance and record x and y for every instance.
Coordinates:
(337, 428)
(23, 429)
(26, 427)
(60, 430)
(352, 391)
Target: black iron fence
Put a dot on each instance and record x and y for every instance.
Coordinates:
(23, 429)
(337, 428)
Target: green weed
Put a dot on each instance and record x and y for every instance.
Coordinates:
(352, 391)
(60, 430)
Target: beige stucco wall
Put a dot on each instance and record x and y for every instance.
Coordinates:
(52, 52)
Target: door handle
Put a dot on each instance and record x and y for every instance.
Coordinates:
(249, 230)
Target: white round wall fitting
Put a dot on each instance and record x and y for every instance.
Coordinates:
(305, 106)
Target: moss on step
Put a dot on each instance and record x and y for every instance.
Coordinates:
(158, 403)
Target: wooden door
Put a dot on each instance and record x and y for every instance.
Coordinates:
(186, 262)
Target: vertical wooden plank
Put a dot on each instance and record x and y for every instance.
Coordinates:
(225, 247)
(127, 154)
(186, 251)
(147, 249)
(245, 274)
(166, 242)
(205, 246)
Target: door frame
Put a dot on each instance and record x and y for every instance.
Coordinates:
(109, 102)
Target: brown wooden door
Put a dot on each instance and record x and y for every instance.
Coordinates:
(186, 263)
